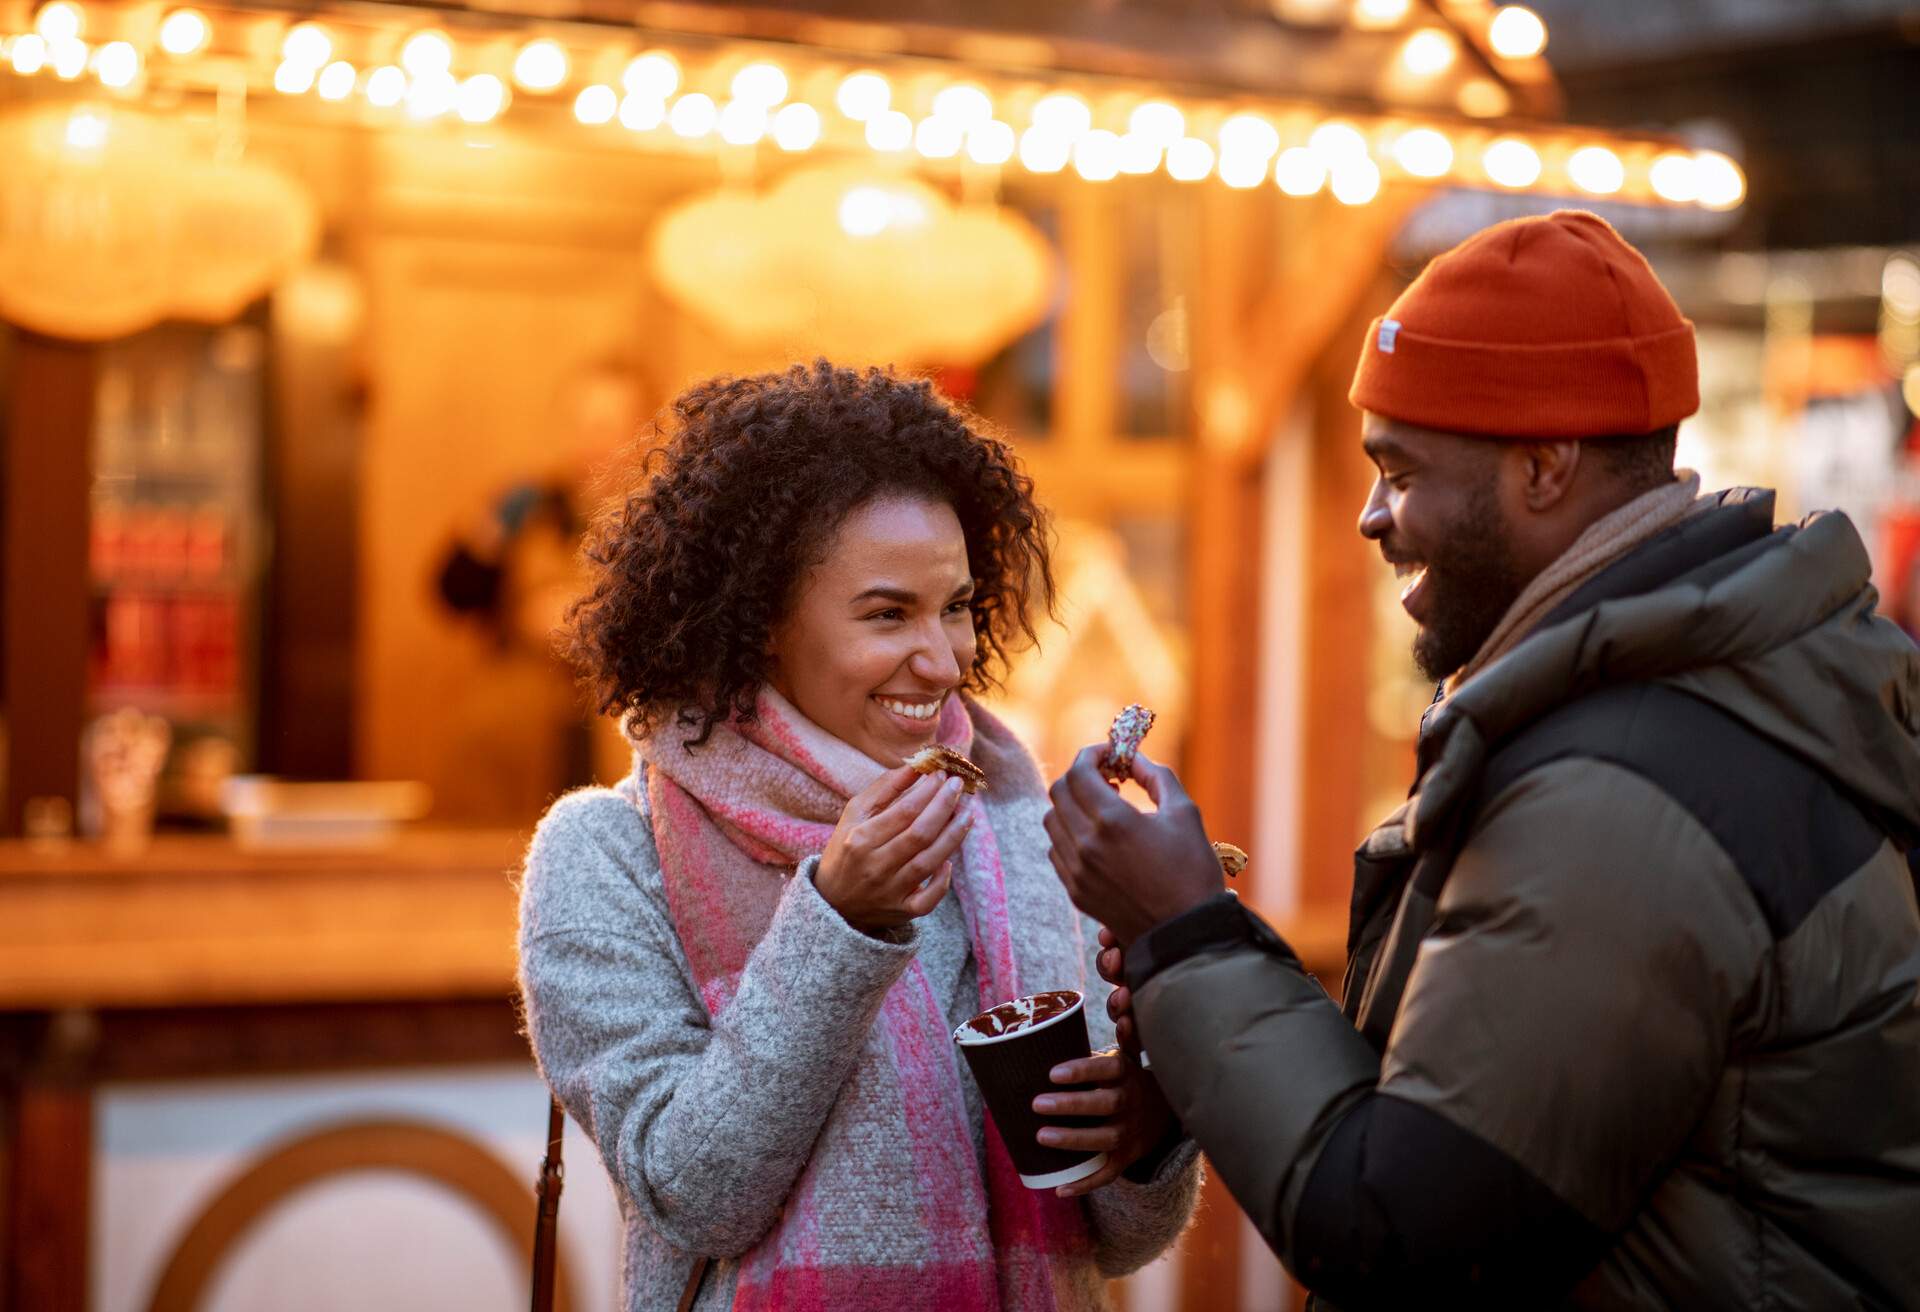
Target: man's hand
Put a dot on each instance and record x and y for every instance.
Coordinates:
(1126, 868)
(1136, 1112)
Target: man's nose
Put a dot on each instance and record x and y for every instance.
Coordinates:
(1376, 521)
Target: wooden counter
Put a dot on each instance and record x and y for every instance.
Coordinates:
(196, 920)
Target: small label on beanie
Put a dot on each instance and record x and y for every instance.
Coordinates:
(1389, 329)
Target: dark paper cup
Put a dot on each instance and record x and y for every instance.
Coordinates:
(1010, 1048)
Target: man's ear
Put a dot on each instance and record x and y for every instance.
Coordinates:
(1548, 470)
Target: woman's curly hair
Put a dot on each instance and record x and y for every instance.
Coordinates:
(694, 570)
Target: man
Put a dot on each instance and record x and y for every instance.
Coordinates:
(1631, 1015)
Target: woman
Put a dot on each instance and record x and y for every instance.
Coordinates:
(742, 966)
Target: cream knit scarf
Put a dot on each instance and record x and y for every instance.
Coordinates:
(1606, 540)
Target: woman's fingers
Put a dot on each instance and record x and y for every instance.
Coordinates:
(1105, 1101)
(1100, 1068)
(917, 867)
(1105, 1175)
(1090, 1138)
(924, 829)
(879, 794)
(893, 819)
(923, 900)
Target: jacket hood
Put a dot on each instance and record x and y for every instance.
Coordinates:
(1776, 628)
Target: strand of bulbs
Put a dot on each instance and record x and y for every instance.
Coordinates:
(1350, 159)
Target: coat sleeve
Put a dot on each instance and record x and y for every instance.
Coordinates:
(1562, 1032)
(704, 1123)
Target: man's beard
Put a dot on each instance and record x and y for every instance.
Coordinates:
(1472, 580)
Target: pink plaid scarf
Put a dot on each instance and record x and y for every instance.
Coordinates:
(731, 819)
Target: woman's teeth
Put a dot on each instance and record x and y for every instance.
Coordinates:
(912, 710)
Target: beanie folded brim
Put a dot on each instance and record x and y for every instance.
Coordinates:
(1613, 386)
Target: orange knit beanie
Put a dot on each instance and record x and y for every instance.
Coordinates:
(1546, 327)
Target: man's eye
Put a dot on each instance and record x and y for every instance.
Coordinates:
(959, 607)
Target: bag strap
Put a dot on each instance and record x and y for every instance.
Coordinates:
(552, 1176)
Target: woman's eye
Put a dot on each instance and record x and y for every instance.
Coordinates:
(891, 613)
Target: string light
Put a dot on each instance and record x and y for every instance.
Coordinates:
(1189, 160)
(963, 104)
(693, 115)
(69, 58)
(640, 113)
(540, 66)
(183, 32)
(938, 137)
(29, 53)
(596, 105)
(308, 44)
(1596, 170)
(653, 76)
(1424, 153)
(57, 22)
(1157, 122)
(1299, 172)
(761, 84)
(1138, 155)
(1481, 97)
(1249, 134)
(1428, 52)
(1063, 115)
(1511, 162)
(1675, 177)
(1719, 182)
(1516, 33)
(480, 98)
(796, 126)
(425, 54)
(386, 87)
(336, 81)
(1096, 156)
(431, 94)
(1355, 182)
(116, 64)
(890, 130)
(991, 143)
(743, 122)
(291, 79)
(1042, 151)
(1379, 13)
(863, 95)
(1334, 143)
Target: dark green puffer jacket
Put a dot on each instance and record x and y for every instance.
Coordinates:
(1632, 1018)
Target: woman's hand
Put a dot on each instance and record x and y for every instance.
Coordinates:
(1110, 964)
(1136, 1112)
(889, 860)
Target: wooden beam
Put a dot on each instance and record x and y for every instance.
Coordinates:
(45, 580)
(49, 1151)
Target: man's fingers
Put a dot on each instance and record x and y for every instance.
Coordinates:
(1119, 1003)
(1111, 966)
(1160, 783)
(1091, 791)
(1107, 940)
(1062, 839)
(1127, 1033)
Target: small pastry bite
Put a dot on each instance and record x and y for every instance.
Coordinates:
(1123, 740)
(935, 759)
(1232, 859)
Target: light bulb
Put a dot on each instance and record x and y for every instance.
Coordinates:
(991, 143)
(307, 43)
(761, 84)
(1676, 178)
(540, 66)
(336, 81)
(480, 98)
(58, 21)
(863, 95)
(1355, 181)
(1335, 143)
(1720, 183)
(426, 53)
(292, 79)
(183, 31)
(640, 113)
(938, 137)
(116, 64)
(596, 105)
(654, 76)
(693, 115)
(1516, 32)
(1249, 135)
(29, 53)
(1511, 162)
(1062, 114)
(1596, 170)
(743, 122)
(1299, 172)
(964, 104)
(1189, 160)
(1424, 152)
(890, 130)
(431, 94)
(1158, 122)
(1428, 52)
(1042, 151)
(1096, 156)
(1139, 155)
(386, 87)
(796, 127)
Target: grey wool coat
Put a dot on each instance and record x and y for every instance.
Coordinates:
(704, 1123)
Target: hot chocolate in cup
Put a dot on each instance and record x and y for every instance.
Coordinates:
(1011, 1049)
